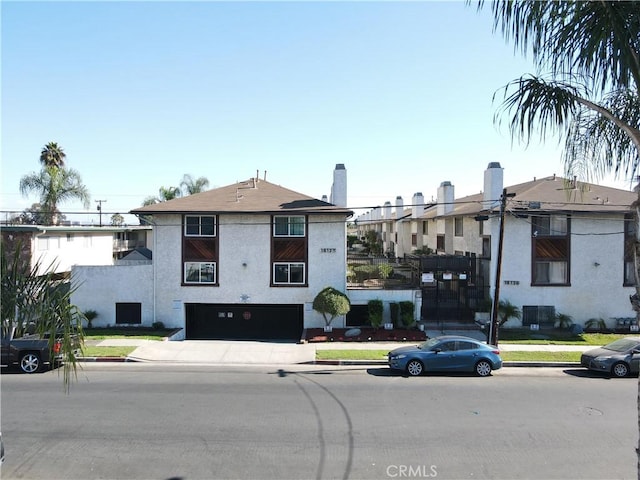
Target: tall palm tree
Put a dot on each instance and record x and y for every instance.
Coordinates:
(54, 186)
(591, 51)
(189, 185)
(52, 155)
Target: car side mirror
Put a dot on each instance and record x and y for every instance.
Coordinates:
(436, 350)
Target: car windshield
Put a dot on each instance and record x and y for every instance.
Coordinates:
(428, 344)
(621, 345)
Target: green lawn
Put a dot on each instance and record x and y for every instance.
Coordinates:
(506, 356)
(138, 333)
(92, 351)
(555, 337)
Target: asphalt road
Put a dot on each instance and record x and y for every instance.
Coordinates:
(146, 421)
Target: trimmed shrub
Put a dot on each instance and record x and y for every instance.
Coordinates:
(375, 312)
(406, 313)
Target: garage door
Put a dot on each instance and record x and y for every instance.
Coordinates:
(243, 322)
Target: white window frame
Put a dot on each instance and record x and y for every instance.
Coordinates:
(289, 265)
(200, 267)
(290, 226)
(200, 234)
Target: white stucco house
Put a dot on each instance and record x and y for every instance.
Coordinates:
(62, 247)
(567, 248)
(241, 261)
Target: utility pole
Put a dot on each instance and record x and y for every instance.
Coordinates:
(493, 326)
(100, 202)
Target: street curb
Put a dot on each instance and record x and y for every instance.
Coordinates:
(504, 364)
(350, 362)
(105, 359)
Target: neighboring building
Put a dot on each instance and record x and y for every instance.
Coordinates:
(66, 246)
(241, 261)
(567, 249)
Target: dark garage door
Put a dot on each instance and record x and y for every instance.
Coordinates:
(243, 322)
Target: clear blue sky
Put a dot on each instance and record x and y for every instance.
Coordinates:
(138, 94)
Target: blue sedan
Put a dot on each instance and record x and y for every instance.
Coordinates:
(448, 353)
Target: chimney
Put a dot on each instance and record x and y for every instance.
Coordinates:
(493, 180)
(417, 205)
(339, 187)
(387, 211)
(445, 198)
(324, 198)
(399, 207)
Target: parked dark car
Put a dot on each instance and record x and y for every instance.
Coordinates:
(30, 353)
(447, 353)
(618, 358)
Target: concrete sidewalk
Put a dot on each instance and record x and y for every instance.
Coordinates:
(270, 353)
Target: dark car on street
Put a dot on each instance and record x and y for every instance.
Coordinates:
(447, 353)
(618, 359)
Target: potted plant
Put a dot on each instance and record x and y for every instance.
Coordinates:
(331, 303)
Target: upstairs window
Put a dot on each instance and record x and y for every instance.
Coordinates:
(199, 226)
(550, 250)
(458, 229)
(289, 226)
(629, 246)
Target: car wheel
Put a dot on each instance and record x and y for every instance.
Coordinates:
(30, 362)
(415, 368)
(483, 368)
(620, 369)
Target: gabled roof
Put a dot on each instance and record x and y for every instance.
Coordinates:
(549, 194)
(251, 196)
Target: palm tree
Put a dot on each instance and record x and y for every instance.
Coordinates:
(52, 155)
(507, 310)
(29, 296)
(189, 185)
(164, 194)
(591, 98)
(54, 186)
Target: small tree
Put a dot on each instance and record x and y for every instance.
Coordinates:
(375, 312)
(90, 315)
(331, 303)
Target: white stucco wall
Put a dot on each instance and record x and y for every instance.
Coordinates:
(99, 288)
(596, 291)
(362, 297)
(65, 249)
(244, 267)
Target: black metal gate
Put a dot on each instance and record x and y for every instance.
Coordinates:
(453, 287)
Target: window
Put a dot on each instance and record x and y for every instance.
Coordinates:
(629, 242)
(199, 250)
(128, 313)
(289, 226)
(458, 222)
(425, 228)
(199, 226)
(543, 315)
(199, 272)
(440, 242)
(288, 273)
(480, 227)
(550, 250)
(414, 240)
